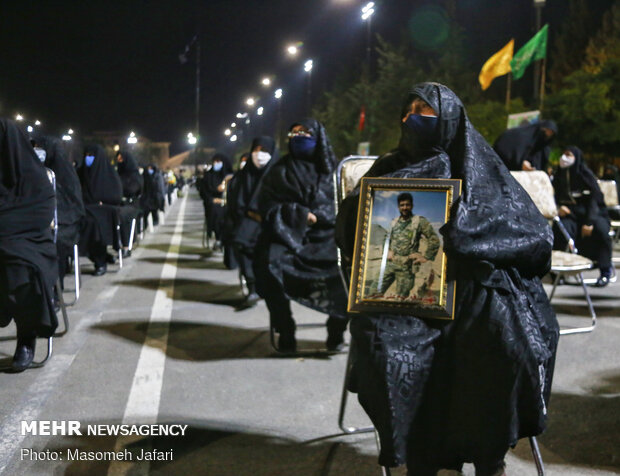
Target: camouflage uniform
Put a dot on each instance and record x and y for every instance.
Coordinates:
(405, 237)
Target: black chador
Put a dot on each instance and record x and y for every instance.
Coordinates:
(242, 212)
(102, 191)
(28, 267)
(577, 188)
(153, 196)
(132, 182)
(212, 192)
(529, 143)
(296, 255)
(444, 393)
(69, 203)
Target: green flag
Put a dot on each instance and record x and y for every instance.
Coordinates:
(533, 50)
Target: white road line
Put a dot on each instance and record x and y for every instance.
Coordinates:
(144, 397)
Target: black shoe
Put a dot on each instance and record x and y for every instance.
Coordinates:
(126, 253)
(335, 341)
(24, 354)
(100, 270)
(287, 344)
(111, 259)
(251, 299)
(602, 281)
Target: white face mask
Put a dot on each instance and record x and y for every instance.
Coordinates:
(260, 158)
(242, 164)
(41, 154)
(566, 161)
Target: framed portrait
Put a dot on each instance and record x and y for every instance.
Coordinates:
(399, 264)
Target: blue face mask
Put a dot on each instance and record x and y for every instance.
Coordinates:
(302, 147)
(88, 160)
(423, 126)
(151, 171)
(41, 154)
(217, 166)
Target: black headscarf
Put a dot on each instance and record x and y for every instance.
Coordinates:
(213, 178)
(129, 173)
(153, 194)
(26, 212)
(70, 206)
(610, 172)
(526, 143)
(577, 178)
(324, 159)
(100, 182)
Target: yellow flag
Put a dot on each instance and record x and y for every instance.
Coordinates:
(496, 65)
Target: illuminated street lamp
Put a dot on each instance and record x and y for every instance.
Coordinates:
(233, 124)
(260, 111)
(66, 137)
(233, 138)
(308, 69)
(70, 131)
(30, 128)
(132, 139)
(266, 81)
(368, 10)
(227, 132)
(191, 139)
(19, 117)
(308, 66)
(242, 115)
(278, 93)
(250, 101)
(292, 50)
(37, 123)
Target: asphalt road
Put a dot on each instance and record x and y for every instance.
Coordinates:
(161, 342)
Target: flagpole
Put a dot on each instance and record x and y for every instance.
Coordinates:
(542, 81)
(197, 101)
(508, 88)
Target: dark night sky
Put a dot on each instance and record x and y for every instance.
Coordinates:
(111, 65)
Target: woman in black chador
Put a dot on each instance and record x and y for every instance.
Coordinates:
(296, 254)
(28, 268)
(212, 193)
(132, 182)
(153, 196)
(610, 172)
(69, 203)
(102, 191)
(444, 393)
(242, 210)
(583, 212)
(527, 147)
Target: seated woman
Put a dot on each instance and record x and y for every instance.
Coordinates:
(102, 191)
(610, 172)
(69, 203)
(28, 266)
(442, 393)
(212, 193)
(296, 253)
(133, 182)
(583, 212)
(153, 196)
(242, 212)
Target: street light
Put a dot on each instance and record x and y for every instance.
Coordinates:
(227, 132)
(308, 66)
(266, 81)
(132, 139)
(368, 10)
(278, 93)
(260, 111)
(19, 117)
(37, 123)
(308, 69)
(191, 138)
(233, 138)
(250, 101)
(292, 50)
(70, 131)
(30, 128)
(66, 137)
(233, 125)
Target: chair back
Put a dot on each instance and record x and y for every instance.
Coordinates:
(610, 192)
(349, 172)
(538, 186)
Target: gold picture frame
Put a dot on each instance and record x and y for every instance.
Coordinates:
(399, 264)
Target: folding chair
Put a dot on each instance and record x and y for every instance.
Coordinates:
(610, 194)
(563, 263)
(77, 275)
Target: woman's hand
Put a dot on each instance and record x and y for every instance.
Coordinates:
(586, 230)
(255, 216)
(563, 211)
(218, 201)
(527, 166)
(311, 218)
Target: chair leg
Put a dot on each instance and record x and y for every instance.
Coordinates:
(131, 233)
(590, 328)
(63, 310)
(50, 349)
(76, 275)
(540, 467)
(385, 470)
(555, 285)
(120, 247)
(343, 401)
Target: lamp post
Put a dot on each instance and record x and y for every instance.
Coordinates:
(367, 12)
(308, 65)
(278, 95)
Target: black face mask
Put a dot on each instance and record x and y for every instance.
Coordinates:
(418, 134)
